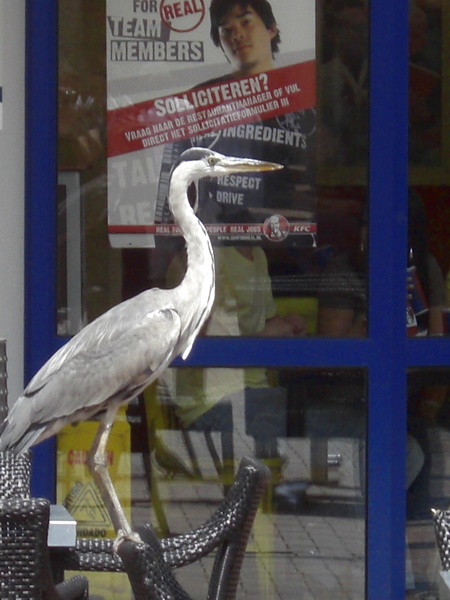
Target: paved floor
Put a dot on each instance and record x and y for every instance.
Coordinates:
(316, 552)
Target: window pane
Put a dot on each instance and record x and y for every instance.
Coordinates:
(314, 281)
(92, 281)
(428, 252)
(308, 426)
(427, 264)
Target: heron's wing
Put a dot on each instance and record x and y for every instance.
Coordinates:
(102, 332)
(118, 368)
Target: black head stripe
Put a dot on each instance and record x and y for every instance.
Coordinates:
(192, 154)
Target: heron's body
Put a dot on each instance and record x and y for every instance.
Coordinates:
(116, 356)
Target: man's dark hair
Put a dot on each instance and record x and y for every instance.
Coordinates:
(333, 11)
(220, 8)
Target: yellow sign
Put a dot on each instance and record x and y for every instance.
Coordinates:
(78, 492)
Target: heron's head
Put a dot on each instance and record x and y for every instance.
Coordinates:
(202, 162)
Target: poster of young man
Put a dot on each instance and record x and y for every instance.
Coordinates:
(235, 76)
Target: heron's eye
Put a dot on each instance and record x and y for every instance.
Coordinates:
(212, 161)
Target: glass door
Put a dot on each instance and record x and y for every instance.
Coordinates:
(319, 396)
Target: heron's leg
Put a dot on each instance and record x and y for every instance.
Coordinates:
(97, 465)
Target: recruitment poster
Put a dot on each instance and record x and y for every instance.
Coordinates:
(171, 87)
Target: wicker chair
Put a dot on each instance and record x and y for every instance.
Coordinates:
(149, 565)
(25, 570)
(441, 521)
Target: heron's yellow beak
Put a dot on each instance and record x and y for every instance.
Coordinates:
(241, 165)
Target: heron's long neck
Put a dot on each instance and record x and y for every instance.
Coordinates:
(198, 283)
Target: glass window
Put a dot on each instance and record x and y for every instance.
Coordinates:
(313, 278)
(290, 255)
(307, 426)
(427, 253)
(94, 268)
(427, 268)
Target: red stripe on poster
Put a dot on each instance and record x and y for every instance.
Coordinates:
(209, 108)
(212, 229)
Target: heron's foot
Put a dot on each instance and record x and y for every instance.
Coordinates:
(131, 536)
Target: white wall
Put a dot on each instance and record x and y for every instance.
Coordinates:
(12, 40)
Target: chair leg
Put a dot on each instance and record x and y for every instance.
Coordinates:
(140, 443)
(155, 498)
(192, 453)
(224, 467)
(362, 465)
(214, 454)
(227, 459)
(319, 460)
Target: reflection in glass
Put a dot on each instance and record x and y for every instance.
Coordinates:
(330, 268)
(174, 451)
(428, 473)
(82, 155)
(309, 427)
(343, 84)
(425, 83)
(69, 288)
(426, 294)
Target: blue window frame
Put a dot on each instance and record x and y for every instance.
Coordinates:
(387, 353)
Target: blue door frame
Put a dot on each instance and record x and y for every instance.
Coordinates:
(386, 353)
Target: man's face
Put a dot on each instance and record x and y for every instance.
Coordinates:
(352, 37)
(246, 41)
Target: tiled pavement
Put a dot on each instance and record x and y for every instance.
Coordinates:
(315, 554)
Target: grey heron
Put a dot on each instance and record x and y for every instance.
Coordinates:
(115, 357)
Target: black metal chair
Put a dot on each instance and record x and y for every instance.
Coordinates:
(25, 569)
(149, 564)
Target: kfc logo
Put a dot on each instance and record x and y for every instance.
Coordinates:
(276, 228)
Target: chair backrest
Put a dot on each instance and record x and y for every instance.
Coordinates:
(25, 570)
(24, 562)
(149, 565)
(441, 520)
(226, 531)
(243, 498)
(24, 525)
(15, 475)
(149, 575)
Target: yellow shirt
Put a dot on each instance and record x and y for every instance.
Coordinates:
(243, 303)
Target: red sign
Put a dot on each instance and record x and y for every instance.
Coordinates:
(205, 109)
